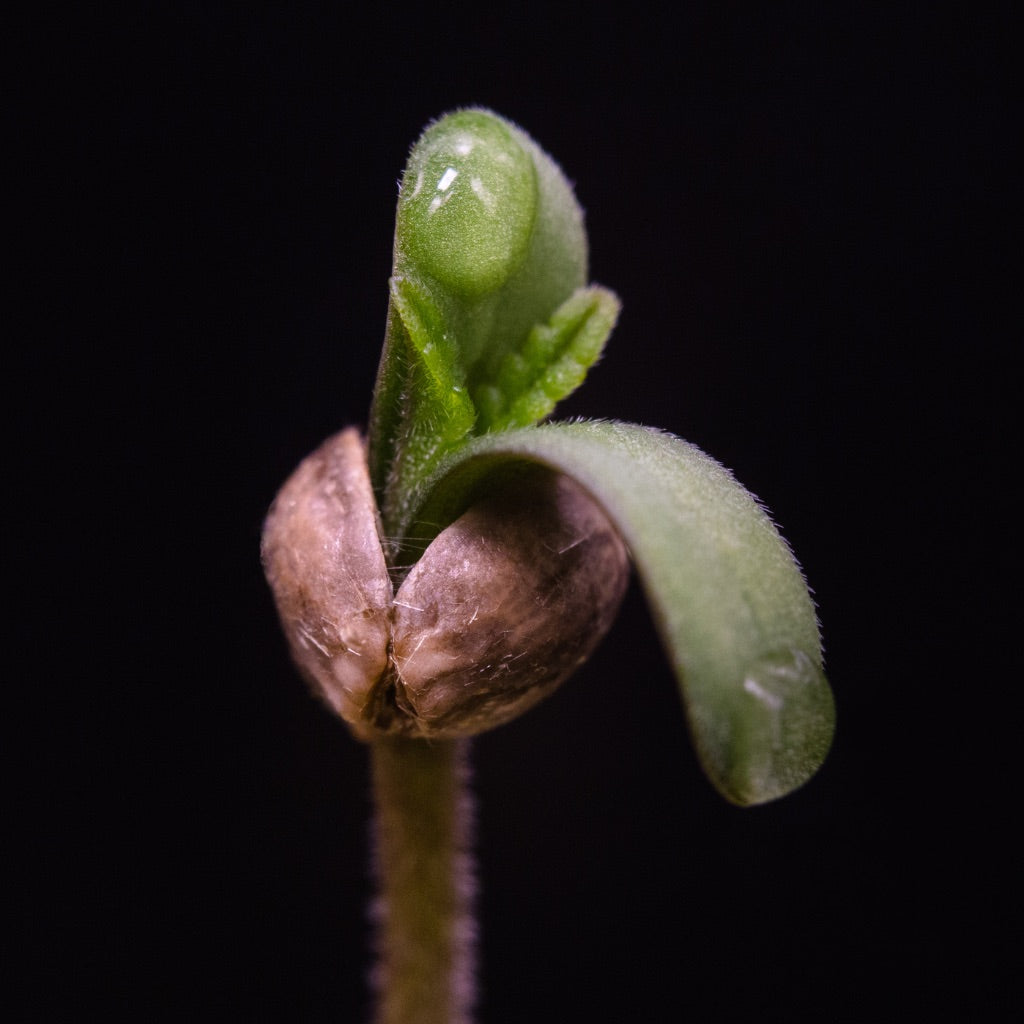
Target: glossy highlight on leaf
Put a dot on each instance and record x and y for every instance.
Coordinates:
(468, 203)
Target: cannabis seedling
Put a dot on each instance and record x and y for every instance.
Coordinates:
(441, 576)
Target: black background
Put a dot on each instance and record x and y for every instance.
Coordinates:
(803, 212)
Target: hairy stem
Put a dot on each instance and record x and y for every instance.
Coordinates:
(425, 928)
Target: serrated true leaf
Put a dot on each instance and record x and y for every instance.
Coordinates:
(444, 398)
(552, 363)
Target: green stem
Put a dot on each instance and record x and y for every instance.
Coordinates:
(425, 928)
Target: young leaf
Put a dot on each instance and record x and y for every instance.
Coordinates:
(490, 242)
(489, 224)
(436, 409)
(728, 598)
(433, 346)
(552, 363)
(468, 205)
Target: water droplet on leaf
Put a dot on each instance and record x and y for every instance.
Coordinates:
(467, 215)
(777, 731)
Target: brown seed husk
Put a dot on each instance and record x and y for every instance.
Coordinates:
(504, 605)
(323, 559)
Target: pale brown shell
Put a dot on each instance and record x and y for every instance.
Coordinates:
(503, 605)
(324, 563)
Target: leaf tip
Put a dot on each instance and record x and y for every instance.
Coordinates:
(774, 733)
